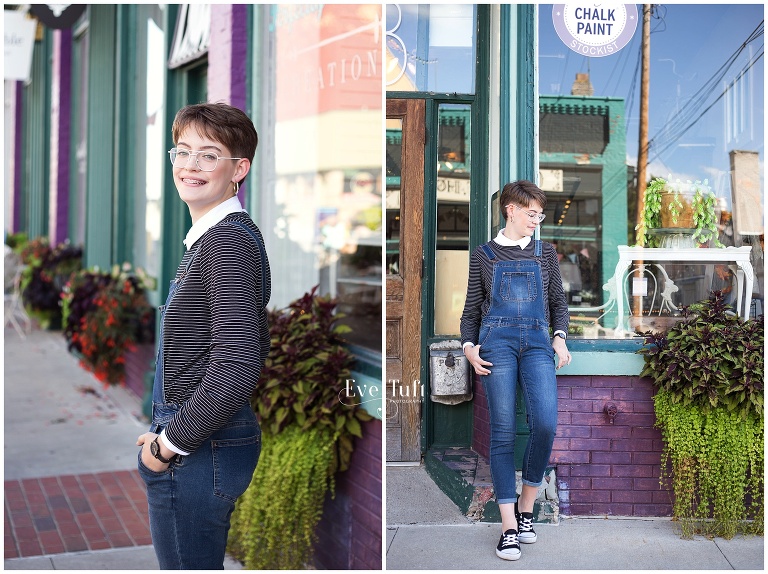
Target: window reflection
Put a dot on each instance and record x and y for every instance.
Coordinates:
(706, 107)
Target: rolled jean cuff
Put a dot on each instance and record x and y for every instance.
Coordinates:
(506, 500)
(529, 483)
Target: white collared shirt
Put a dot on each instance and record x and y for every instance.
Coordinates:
(214, 216)
(505, 241)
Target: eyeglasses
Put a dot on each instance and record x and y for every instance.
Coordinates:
(532, 215)
(205, 160)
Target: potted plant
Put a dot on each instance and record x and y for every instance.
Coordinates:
(47, 270)
(689, 206)
(307, 436)
(106, 316)
(709, 374)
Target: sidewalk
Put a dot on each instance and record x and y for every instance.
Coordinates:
(73, 497)
(426, 530)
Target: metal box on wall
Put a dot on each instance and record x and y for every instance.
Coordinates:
(450, 373)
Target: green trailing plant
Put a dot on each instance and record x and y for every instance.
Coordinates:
(274, 524)
(709, 374)
(704, 215)
(308, 425)
(651, 218)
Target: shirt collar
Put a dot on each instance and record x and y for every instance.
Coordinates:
(214, 216)
(505, 241)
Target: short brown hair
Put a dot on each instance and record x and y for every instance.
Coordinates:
(521, 193)
(220, 122)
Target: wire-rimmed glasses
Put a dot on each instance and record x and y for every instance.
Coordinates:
(205, 160)
(532, 215)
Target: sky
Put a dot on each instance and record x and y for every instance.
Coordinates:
(689, 46)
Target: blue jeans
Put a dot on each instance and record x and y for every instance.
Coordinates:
(191, 502)
(521, 352)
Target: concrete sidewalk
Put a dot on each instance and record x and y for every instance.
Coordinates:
(426, 530)
(73, 498)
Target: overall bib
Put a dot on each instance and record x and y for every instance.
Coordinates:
(191, 502)
(514, 336)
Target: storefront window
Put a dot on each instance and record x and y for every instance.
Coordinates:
(705, 124)
(394, 143)
(318, 201)
(452, 230)
(431, 48)
(149, 238)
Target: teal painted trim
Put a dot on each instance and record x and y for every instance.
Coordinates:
(478, 203)
(256, 95)
(126, 120)
(101, 137)
(37, 128)
(526, 93)
(603, 363)
(506, 95)
(368, 389)
(443, 97)
(176, 219)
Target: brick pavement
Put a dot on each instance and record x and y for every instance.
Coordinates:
(72, 513)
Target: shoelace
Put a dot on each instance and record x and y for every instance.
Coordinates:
(525, 523)
(509, 540)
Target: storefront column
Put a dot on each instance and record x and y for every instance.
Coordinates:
(228, 54)
(58, 229)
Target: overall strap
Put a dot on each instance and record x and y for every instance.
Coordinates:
(263, 262)
(537, 247)
(488, 251)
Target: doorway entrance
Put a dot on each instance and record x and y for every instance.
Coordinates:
(405, 140)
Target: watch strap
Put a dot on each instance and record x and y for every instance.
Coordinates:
(155, 450)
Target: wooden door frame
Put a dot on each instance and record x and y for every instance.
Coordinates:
(403, 291)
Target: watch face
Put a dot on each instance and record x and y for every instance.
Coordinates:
(154, 448)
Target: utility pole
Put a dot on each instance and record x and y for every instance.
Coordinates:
(642, 148)
(645, 84)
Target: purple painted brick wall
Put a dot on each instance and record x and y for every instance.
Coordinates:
(606, 468)
(350, 531)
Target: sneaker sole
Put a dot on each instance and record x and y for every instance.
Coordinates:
(506, 556)
(529, 540)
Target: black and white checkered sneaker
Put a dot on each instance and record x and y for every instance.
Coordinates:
(509, 547)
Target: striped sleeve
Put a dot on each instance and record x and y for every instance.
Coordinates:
(230, 273)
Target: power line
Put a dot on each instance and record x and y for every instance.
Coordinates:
(673, 139)
(682, 121)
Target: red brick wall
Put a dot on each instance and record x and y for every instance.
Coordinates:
(602, 468)
(350, 531)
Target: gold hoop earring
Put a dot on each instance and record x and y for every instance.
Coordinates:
(237, 186)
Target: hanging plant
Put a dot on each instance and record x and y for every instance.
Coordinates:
(709, 372)
(651, 218)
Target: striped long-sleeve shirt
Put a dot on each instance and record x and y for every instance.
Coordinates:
(216, 336)
(480, 283)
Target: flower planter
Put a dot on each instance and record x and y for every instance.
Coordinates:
(137, 363)
(683, 203)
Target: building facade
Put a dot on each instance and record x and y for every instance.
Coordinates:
(487, 94)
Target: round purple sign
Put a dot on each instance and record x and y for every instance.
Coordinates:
(595, 30)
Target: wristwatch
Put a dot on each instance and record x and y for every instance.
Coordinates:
(560, 334)
(154, 448)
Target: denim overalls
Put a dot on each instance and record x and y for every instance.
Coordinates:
(190, 503)
(514, 337)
